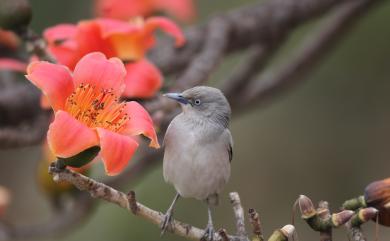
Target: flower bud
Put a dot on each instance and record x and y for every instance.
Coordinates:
(14, 14)
(306, 207)
(377, 195)
(363, 216)
(288, 231)
(5, 199)
(342, 217)
(284, 234)
(367, 214)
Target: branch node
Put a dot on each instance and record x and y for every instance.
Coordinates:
(223, 234)
(133, 202)
(254, 219)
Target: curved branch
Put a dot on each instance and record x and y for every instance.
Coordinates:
(304, 60)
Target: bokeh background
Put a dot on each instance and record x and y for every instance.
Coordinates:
(327, 138)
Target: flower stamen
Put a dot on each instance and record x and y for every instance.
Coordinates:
(97, 108)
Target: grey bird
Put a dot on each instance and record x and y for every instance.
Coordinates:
(198, 149)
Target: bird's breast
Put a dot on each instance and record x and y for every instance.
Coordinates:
(195, 160)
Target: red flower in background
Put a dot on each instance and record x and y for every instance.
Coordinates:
(88, 112)
(125, 9)
(127, 40)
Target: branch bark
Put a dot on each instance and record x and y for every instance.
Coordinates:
(128, 202)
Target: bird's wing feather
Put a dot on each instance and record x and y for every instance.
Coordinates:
(229, 143)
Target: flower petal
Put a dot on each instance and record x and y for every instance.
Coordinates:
(54, 80)
(90, 39)
(12, 64)
(62, 43)
(143, 79)
(44, 102)
(123, 9)
(95, 69)
(116, 150)
(110, 27)
(131, 47)
(62, 34)
(182, 9)
(125, 39)
(68, 137)
(167, 26)
(140, 122)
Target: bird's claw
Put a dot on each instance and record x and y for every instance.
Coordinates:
(208, 233)
(166, 223)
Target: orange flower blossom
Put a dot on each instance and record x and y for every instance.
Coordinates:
(88, 112)
(128, 41)
(125, 9)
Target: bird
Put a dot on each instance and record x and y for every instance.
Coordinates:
(198, 149)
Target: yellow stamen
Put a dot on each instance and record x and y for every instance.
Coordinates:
(97, 108)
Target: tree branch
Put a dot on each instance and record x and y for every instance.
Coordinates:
(308, 55)
(128, 202)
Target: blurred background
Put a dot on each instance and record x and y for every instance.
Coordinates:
(327, 138)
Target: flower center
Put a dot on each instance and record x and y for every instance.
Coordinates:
(97, 108)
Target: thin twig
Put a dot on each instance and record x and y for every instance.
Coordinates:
(258, 57)
(238, 213)
(355, 234)
(204, 63)
(254, 219)
(324, 213)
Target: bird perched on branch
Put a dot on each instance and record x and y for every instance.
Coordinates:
(198, 149)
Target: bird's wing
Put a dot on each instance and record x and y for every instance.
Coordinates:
(229, 143)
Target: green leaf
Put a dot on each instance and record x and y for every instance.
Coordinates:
(80, 159)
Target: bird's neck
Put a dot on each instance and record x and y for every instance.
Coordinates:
(212, 122)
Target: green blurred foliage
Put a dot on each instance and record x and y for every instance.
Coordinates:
(327, 138)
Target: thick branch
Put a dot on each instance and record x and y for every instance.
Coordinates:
(128, 202)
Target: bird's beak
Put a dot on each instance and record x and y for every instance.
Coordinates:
(178, 97)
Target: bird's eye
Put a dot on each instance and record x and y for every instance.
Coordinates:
(197, 102)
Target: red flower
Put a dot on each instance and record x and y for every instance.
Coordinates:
(87, 110)
(126, 9)
(127, 40)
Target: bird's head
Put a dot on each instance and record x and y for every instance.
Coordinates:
(204, 102)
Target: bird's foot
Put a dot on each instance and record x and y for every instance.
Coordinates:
(167, 223)
(208, 233)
